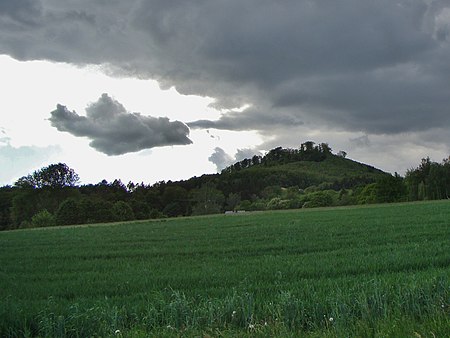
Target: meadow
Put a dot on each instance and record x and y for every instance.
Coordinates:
(371, 271)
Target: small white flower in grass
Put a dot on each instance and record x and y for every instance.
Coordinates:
(233, 314)
(331, 319)
(251, 326)
(117, 332)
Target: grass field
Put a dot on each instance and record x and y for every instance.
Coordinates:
(378, 271)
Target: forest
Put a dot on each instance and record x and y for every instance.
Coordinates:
(307, 177)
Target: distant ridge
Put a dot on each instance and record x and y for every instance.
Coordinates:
(310, 165)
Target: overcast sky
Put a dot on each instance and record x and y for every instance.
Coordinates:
(149, 90)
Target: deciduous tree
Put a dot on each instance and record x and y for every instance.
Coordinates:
(54, 176)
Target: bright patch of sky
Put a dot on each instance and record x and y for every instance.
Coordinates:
(30, 91)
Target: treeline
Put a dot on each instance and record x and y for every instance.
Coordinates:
(52, 196)
(308, 151)
(429, 181)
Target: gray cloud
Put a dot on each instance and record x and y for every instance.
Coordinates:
(222, 160)
(250, 119)
(361, 141)
(20, 13)
(244, 153)
(378, 67)
(114, 131)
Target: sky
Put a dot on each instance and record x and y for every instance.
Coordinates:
(151, 90)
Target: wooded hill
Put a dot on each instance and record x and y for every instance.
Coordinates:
(310, 176)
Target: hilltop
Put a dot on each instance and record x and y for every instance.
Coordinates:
(288, 168)
(311, 166)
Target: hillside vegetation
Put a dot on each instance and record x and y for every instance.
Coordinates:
(331, 172)
(307, 177)
(310, 176)
(381, 270)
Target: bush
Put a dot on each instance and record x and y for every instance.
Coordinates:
(140, 209)
(310, 189)
(174, 209)
(155, 213)
(68, 212)
(319, 199)
(296, 203)
(43, 218)
(122, 211)
(368, 194)
(206, 209)
(252, 206)
(244, 205)
(345, 197)
(95, 211)
(277, 203)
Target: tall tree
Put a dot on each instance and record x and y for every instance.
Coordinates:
(390, 189)
(54, 176)
(209, 200)
(69, 212)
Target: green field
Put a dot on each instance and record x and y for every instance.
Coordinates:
(378, 271)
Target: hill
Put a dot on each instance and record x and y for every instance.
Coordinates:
(302, 168)
(330, 172)
(284, 179)
(310, 176)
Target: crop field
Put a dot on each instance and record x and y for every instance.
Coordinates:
(377, 271)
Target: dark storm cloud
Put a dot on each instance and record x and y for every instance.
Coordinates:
(250, 119)
(356, 65)
(114, 131)
(20, 12)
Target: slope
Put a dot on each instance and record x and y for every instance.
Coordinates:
(331, 172)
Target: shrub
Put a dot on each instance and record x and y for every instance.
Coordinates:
(244, 205)
(122, 211)
(173, 209)
(95, 211)
(68, 212)
(277, 203)
(319, 199)
(368, 194)
(140, 209)
(43, 218)
(155, 213)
